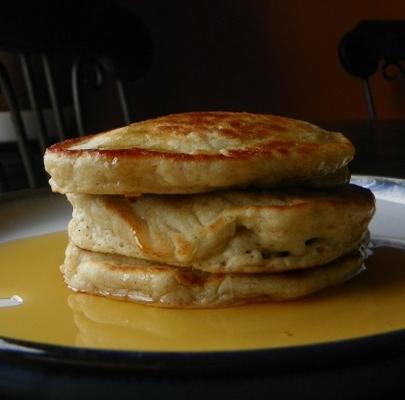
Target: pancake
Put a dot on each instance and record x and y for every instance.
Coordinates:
(227, 231)
(200, 152)
(162, 285)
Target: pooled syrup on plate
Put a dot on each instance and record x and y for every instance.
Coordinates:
(370, 303)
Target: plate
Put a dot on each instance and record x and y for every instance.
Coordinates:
(46, 325)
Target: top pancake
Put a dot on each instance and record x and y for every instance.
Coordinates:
(199, 152)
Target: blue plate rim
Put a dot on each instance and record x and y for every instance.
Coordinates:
(360, 350)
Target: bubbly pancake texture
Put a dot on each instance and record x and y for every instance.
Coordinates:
(146, 282)
(228, 231)
(199, 152)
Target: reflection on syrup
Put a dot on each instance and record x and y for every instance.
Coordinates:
(11, 301)
(372, 302)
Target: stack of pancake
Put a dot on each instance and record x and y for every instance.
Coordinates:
(210, 209)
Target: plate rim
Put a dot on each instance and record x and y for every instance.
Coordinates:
(329, 354)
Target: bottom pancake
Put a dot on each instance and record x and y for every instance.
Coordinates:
(162, 285)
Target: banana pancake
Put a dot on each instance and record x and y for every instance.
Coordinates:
(199, 152)
(227, 231)
(162, 285)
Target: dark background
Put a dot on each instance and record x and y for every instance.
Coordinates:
(264, 56)
(270, 56)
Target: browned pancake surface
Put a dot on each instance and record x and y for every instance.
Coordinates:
(198, 152)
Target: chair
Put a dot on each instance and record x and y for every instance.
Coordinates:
(89, 40)
(376, 47)
(372, 45)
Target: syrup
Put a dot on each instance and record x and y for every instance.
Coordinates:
(370, 303)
